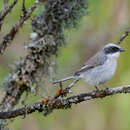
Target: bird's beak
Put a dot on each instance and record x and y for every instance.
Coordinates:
(122, 50)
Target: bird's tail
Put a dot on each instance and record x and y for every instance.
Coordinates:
(64, 79)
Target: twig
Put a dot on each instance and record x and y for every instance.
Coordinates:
(24, 11)
(10, 36)
(124, 36)
(3, 13)
(63, 103)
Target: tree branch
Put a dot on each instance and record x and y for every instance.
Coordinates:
(10, 36)
(47, 105)
(48, 26)
(60, 102)
(4, 12)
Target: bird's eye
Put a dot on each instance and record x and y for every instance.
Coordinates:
(112, 49)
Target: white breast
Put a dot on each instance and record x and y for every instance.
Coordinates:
(102, 73)
(114, 55)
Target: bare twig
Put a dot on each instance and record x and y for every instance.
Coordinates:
(10, 36)
(124, 36)
(4, 12)
(24, 9)
(63, 103)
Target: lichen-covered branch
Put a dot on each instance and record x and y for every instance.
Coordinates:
(49, 27)
(5, 11)
(11, 35)
(52, 103)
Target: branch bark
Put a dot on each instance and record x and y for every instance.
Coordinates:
(48, 26)
(11, 35)
(52, 103)
(5, 11)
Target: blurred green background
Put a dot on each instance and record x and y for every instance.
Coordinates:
(105, 23)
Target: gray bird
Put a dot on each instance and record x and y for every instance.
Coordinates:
(100, 68)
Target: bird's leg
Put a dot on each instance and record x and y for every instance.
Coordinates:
(73, 83)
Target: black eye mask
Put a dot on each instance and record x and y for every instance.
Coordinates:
(112, 49)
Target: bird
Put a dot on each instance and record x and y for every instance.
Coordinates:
(100, 68)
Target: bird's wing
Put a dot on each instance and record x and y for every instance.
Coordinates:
(94, 61)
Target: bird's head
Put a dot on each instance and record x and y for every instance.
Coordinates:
(112, 50)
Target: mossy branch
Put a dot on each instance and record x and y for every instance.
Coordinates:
(48, 28)
(51, 103)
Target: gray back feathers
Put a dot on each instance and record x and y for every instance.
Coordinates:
(96, 60)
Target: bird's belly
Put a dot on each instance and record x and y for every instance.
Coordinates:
(100, 74)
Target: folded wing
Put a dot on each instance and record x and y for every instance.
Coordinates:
(94, 61)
